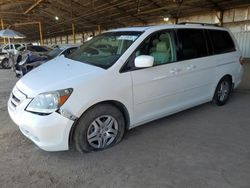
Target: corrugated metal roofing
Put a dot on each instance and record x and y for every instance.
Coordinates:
(243, 39)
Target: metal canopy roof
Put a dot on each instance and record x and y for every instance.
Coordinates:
(88, 15)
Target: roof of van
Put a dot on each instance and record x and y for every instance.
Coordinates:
(167, 26)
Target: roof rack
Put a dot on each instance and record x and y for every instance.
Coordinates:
(198, 23)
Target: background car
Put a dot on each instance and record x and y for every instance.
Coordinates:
(13, 48)
(31, 60)
(62, 50)
(4, 60)
(7, 50)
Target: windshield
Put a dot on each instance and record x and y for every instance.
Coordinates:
(54, 53)
(105, 49)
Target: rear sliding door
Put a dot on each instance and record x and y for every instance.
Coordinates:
(197, 66)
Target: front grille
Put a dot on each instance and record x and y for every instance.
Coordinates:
(17, 97)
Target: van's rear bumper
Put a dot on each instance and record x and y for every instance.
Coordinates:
(238, 79)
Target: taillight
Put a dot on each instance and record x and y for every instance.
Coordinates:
(241, 60)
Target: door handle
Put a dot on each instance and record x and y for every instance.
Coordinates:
(160, 77)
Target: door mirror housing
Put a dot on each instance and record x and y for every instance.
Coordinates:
(143, 61)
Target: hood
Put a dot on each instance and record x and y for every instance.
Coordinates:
(59, 73)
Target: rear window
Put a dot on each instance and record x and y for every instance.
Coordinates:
(222, 41)
(38, 49)
(192, 44)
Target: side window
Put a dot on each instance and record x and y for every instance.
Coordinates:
(69, 51)
(21, 49)
(160, 45)
(17, 45)
(39, 49)
(192, 44)
(7, 47)
(222, 41)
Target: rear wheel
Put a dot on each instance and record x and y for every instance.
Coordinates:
(223, 91)
(5, 63)
(99, 128)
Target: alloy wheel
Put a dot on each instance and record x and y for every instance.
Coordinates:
(223, 91)
(102, 132)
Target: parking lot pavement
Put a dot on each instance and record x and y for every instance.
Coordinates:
(206, 146)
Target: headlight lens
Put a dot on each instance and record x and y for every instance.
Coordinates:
(49, 102)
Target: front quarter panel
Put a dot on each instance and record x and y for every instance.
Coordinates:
(108, 86)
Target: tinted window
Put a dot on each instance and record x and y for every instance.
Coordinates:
(222, 41)
(192, 44)
(69, 51)
(38, 49)
(54, 53)
(21, 49)
(17, 45)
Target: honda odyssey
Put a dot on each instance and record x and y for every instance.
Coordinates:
(121, 79)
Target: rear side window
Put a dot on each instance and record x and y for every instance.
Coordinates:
(222, 41)
(192, 44)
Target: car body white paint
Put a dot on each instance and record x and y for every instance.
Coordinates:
(147, 94)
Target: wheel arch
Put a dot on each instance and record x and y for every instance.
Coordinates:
(4, 59)
(228, 76)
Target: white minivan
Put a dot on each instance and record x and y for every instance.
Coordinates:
(121, 79)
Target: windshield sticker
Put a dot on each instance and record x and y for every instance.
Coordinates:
(127, 37)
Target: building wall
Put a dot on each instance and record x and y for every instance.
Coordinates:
(237, 20)
(243, 39)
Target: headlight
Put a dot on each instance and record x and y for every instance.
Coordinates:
(49, 102)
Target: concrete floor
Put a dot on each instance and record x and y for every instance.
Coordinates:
(207, 146)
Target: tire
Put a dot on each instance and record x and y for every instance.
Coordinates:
(19, 59)
(223, 91)
(5, 64)
(99, 128)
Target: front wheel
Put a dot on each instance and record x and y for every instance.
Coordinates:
(99, 128)
(223, 91)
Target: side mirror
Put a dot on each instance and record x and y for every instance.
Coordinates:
(143, 61)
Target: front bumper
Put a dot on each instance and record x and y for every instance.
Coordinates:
(49, 132)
